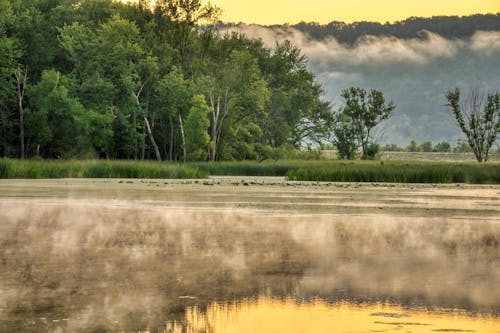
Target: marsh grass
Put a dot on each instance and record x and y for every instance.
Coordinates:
(252, 168)
(38, 169)
(299, 170)
(400, 172)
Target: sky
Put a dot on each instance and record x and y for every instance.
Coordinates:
(324, 11)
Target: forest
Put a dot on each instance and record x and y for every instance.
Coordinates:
(445, 26)
(161, 81)
(104, 79)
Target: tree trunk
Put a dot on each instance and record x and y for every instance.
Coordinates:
(21, 79)
(171, 151)
(134, 122)
(213, 130)
(183, 139)
(152, 139)
(148, 127)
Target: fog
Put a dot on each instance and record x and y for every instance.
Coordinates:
(108, 266)
(414, 73)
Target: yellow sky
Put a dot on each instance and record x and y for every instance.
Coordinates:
(324, 11)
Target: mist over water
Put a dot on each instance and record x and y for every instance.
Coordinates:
(86, 265)
(414, 73)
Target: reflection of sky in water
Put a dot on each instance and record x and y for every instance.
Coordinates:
(81, 266)
(267, 315)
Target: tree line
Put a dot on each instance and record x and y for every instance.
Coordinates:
(450, 27)
(105, 79)
(155, 80)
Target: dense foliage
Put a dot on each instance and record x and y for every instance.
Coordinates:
(99, 78)
(355, 122)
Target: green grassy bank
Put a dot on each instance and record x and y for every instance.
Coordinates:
(322, 170)
(401, 172)
(38, 169)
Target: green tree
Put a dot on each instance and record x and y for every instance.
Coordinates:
(196, 128)
(345, 136)
(10, 55)
(442, 147)
(237, 95)
(413, 147)
(365, 110)
(113, 57)
(173, 96)
(295, 112)
(56, 123)
(478, 116)
(426, 146)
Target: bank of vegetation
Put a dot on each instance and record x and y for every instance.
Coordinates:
(39, 169)
(296, 170)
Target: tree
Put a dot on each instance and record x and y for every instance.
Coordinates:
(413, 147)
(426, 147)
(237, 95)
(56, 122)
(21, 82)
(345, 137)
(478, 116)
(442, 147)
(9, 56)
(365, 110)
(296, 113)
(196, 129)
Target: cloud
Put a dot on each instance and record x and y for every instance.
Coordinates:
(414, 73)
(384, 49)
(486, 42)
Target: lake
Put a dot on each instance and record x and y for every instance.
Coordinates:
(232, 254)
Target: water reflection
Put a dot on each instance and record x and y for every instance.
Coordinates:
(79, 267)
(270, 315)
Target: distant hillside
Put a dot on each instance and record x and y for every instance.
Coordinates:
(445, 26)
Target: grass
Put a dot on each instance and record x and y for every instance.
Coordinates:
(320, 170)
(38, 169)
(251, 168)
(400, 172)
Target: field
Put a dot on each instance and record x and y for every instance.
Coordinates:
(155, 255)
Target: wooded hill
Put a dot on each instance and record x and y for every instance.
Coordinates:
(445, 26)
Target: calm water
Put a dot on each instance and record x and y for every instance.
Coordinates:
(268, 315)
(418, 262)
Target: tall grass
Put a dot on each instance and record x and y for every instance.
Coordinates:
(401, 172)
(323, 170)
(250, 168)
(37, 169)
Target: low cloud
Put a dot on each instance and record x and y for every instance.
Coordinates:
(426, 47)
(415, 73)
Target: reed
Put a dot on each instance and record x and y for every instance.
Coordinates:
(300, 170)
(37, 169)
(401, 172)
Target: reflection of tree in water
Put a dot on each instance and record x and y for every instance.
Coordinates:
(106, 271)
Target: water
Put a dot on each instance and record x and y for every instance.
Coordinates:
(292, 316)
(104, 256)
